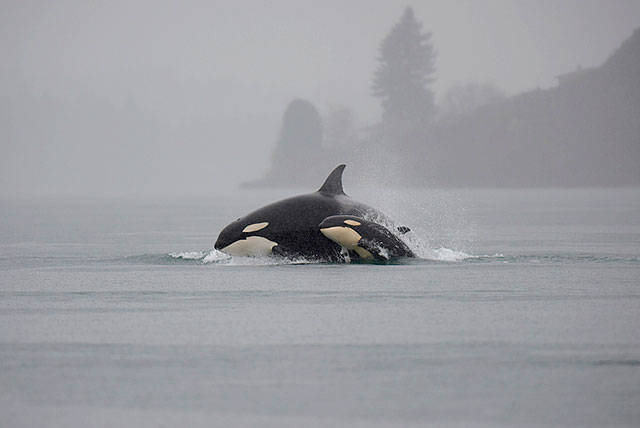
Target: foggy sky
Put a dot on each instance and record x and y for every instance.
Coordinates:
(230, 68)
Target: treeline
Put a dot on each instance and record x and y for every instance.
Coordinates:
(584, 132)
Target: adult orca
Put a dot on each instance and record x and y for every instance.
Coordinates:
(289, 227)
(368, 240)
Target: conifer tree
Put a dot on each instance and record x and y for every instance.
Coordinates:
(405, 72)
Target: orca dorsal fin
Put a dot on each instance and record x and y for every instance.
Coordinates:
(333, 183)
(403, 229)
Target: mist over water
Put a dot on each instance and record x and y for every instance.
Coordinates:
(159, 98)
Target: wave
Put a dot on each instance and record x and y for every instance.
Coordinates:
(212, 256)
(216, 257)
(448, 255)
(426, 255)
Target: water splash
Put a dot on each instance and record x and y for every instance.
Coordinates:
(189, 255)
(447, 255)
(217, 257)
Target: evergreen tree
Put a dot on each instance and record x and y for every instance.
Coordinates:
(405, 72)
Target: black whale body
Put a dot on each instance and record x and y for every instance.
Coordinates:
(292, 224)
(367, 239)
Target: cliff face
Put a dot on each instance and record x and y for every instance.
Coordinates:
(586, 131)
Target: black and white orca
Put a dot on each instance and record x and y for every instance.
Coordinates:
(290, 228)
(368, 240)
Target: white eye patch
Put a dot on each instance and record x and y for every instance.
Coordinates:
(255, 227)
(352, 222)
(342, 235)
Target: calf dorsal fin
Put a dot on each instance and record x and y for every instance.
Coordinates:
(403, 229)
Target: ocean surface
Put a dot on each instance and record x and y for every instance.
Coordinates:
(524, 310)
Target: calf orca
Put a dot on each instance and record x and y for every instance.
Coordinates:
(367, 239)
(289, 227)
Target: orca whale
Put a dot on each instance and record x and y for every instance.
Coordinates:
(368, 240)
(289, 227)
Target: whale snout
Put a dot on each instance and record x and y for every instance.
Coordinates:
(225, 238)
(230, 234)
(220, 244)
(237, 240)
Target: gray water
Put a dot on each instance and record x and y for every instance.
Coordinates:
(524, 310)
